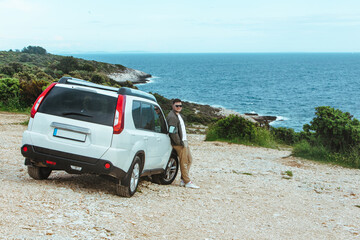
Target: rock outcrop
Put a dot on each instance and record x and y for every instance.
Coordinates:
(129, 74)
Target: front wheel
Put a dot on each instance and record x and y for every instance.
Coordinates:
(169, 175)
(128, 187)
(39, 173)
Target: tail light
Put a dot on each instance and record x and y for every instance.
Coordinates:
(40, 99)
(119, 115)
(25, 148)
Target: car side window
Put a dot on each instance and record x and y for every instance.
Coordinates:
(136, 113)
(147, 117)
(160, 125)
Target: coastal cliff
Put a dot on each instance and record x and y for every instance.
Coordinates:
(129, 74)
(51, 67)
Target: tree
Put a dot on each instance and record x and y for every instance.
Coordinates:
(34, 50)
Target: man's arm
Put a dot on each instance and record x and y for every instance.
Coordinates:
(173, 121)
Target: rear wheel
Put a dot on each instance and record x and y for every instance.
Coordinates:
(128, 187)
(169, 175)
(39, 173)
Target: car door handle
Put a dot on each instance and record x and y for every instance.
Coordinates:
(146, 138)
(158, 139)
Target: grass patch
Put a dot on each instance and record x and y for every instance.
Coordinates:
(244, 173)
(350, 158)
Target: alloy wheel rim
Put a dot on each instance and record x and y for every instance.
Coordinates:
(134, 177)
(170, 169)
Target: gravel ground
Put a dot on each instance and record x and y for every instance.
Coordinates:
(244, 194)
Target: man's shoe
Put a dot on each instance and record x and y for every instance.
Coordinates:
(182, 183)
(191, 185)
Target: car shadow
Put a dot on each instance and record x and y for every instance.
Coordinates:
(88, 183)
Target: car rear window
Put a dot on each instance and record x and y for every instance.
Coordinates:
(80, 105)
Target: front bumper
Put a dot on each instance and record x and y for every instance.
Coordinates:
(72, 163)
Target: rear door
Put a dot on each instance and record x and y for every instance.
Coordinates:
(76, 120)
(163, 143)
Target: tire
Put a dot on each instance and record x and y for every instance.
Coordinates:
(169, 175)
(39, 173)
(128, 187)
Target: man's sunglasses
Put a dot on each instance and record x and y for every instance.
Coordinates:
(178, 105)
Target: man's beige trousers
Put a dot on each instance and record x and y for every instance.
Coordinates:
(185, 160)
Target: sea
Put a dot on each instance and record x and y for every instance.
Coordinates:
(286, 85)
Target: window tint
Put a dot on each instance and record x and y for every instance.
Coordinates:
(136, 110)
(80, 105)
(160, 125)
(147, 117)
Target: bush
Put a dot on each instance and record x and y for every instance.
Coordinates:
(239, 130)
(332, 136)
(335, 129)
(285, 135)
(9, 89)
(30, 90)
(234, 127)
(7, 70)
(25, 58)
(97, 78)
(68, 64)
(88, 67)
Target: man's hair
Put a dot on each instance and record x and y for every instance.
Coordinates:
(176, 100)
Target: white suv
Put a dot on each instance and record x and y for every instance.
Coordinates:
(82, 127)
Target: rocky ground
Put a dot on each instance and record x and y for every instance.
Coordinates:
(246, 193)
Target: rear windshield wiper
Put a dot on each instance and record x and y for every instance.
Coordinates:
(76, 113)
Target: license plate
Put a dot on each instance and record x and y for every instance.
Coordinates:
(76, 136)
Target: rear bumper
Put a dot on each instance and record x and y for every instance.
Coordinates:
(71, 163)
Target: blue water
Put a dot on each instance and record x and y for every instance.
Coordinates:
(287, 85)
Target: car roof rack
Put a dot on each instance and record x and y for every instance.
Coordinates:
(122, 90)
(136, 93)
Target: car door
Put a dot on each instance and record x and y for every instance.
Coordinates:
(164, 148)
(146, 126)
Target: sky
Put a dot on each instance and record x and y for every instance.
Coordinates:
(186, 26)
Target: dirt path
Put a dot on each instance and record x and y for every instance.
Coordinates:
(243, 195)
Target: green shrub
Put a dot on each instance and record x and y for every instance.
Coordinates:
(68, 64)
(97, 78)
(239, 130)
(30, 90)
(9, 89)
(235, 127)
(336, 130)
(285, 135)
(7, 70)
(25, 58)
(88, 67)
(264, 138)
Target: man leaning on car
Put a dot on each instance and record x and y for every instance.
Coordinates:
(177, 132)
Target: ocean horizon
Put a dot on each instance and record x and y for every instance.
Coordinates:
(286, 85)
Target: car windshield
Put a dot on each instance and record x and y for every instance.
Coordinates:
(80, 105)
